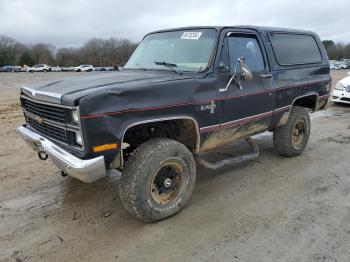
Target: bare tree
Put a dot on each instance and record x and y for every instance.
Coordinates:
(96, 51)
(346, 51)
(43, 53)
(14, 49)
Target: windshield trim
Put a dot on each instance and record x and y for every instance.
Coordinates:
(160, 69)
(212, 55)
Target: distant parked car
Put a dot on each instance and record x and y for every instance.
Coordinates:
(19, 69)
(343, 66)
(104, 68)
(40, 68)
(118, 68)
(84, 68)
(334, 67)
(56, 69)
(67, 69)
(10, 68)
(341, 93)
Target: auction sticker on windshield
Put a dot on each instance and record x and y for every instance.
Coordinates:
(191, 35)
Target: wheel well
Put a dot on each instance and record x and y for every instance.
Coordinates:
(308, 101)
(184, 131)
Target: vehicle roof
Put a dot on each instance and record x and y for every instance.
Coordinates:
(257, 28)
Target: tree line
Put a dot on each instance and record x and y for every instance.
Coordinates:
(96, 51)
(99, 52)
(337, 51)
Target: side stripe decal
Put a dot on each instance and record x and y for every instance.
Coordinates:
(196, 102)
(244, 120)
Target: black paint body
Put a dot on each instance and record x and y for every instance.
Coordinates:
(111, 102)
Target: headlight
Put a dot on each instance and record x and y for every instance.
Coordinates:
(75, 116)
(339, 87)
(78, 139)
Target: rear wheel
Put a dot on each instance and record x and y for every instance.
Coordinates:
(291, 138)
(158, 179)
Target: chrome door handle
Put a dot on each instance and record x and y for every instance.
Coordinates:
(266, 76)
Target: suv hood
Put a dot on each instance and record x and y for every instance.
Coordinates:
(345, 81)
(72, 88)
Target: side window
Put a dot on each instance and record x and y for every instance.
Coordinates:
(295, 49)
(246, 46)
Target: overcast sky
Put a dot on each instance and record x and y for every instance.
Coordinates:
(72, 22)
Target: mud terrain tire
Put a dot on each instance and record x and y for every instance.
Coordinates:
(158, 179)
(291, 138)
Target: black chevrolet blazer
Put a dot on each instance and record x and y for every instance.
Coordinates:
(183, 93)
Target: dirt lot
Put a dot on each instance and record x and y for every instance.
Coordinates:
(270, 209)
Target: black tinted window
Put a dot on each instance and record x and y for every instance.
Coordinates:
(248, 47)
(291, 49)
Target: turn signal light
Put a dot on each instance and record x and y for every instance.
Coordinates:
(105, 147)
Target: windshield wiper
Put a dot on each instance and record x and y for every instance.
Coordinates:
(140, 67)
(169, 65)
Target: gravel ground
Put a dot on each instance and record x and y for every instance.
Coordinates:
(269, 209)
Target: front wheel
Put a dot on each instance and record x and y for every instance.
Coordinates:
(158, 179)
(291, 138)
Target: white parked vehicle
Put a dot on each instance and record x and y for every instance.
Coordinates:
(56, 69)
(343, 66)
(68, 69)
(341, 93)
(84, 68)
(40, 68)
(334, 67)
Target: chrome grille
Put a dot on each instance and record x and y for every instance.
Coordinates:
(48, 119)
(49, 130)
(51, 120)
(45, 111)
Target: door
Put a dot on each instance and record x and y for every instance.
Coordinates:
(247, 106)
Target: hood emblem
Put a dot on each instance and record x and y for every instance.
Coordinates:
(39, 120)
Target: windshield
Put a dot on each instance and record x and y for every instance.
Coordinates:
(188, 50)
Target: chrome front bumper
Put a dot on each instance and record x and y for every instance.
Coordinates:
(87, 171)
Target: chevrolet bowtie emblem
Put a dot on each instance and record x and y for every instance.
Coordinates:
(39, 120)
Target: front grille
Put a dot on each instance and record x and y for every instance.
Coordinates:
(49, 130)
(51, 121)
(345, 99)
(50, 112)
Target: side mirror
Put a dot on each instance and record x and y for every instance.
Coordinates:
(223, 68)
(245, 73)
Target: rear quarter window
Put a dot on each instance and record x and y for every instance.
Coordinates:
(295, 49)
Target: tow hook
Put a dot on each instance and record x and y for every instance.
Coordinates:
(63, 174)
(42, 155)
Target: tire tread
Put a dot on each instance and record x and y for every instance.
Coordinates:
(282, 135)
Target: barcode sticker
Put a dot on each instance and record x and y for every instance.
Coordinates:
(191, 35)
